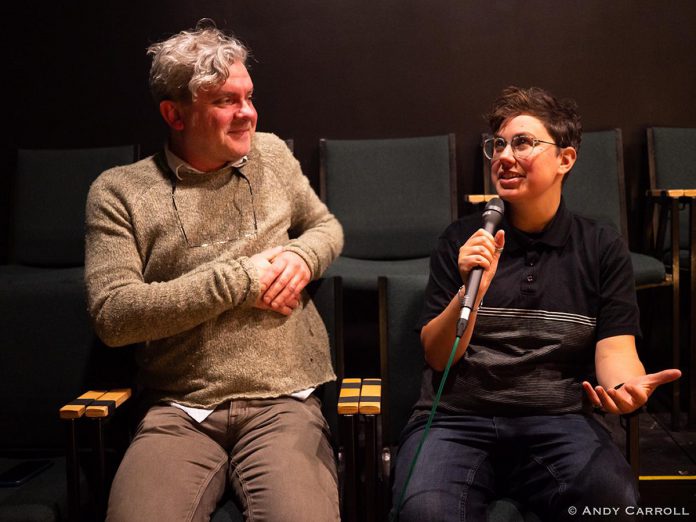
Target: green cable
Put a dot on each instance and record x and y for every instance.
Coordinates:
(394, 515)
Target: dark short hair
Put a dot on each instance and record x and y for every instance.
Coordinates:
(559, 117)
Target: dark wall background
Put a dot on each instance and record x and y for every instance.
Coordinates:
(360, 68)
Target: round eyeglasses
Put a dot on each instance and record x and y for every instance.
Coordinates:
(522, 146)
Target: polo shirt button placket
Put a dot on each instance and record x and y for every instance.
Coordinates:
(529, 278)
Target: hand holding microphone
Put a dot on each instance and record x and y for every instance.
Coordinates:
(480, 252)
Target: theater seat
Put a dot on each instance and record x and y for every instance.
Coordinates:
(47, 343)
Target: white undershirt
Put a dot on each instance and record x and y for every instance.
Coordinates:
(200, 414)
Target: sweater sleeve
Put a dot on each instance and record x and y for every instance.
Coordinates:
(317, 236)
(124, 307)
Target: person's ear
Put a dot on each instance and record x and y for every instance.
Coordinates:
(568, 156)
(171, 114)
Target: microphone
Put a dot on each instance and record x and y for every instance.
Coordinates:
(492, 216)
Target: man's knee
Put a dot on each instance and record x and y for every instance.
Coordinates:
(320, 506)
(298, 486)
(289, 499)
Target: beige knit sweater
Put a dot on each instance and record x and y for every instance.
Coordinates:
(167, 264)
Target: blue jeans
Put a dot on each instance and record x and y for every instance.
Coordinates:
(558, 466)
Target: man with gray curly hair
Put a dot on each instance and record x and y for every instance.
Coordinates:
(201, 253)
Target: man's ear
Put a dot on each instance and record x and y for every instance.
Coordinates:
(171, 114)
(568, 156)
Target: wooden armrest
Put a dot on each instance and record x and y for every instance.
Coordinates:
(371, 397)
(479, 198)
(349, 397)
(76, 408)
(666, 193)
(105, 405)
(671, 193)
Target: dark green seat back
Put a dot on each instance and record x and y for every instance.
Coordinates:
(672, 159)
(49, 202)
(595, 189)
(673, 153)
(326, 294)
(401, 354)
(595, 186)
(392, 196)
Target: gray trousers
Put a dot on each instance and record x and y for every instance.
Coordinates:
(273, 453)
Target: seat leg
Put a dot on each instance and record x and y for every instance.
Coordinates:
(676, 347)
(99, 455)
(632, 422)
(692, 316)
(72, 467)
(371, 508)
(348, 429)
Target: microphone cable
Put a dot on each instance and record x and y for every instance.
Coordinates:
(394, 515)
(492, 215)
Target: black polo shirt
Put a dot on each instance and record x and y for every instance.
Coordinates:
(554, 295)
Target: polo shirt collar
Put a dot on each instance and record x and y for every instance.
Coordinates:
(555, 235)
